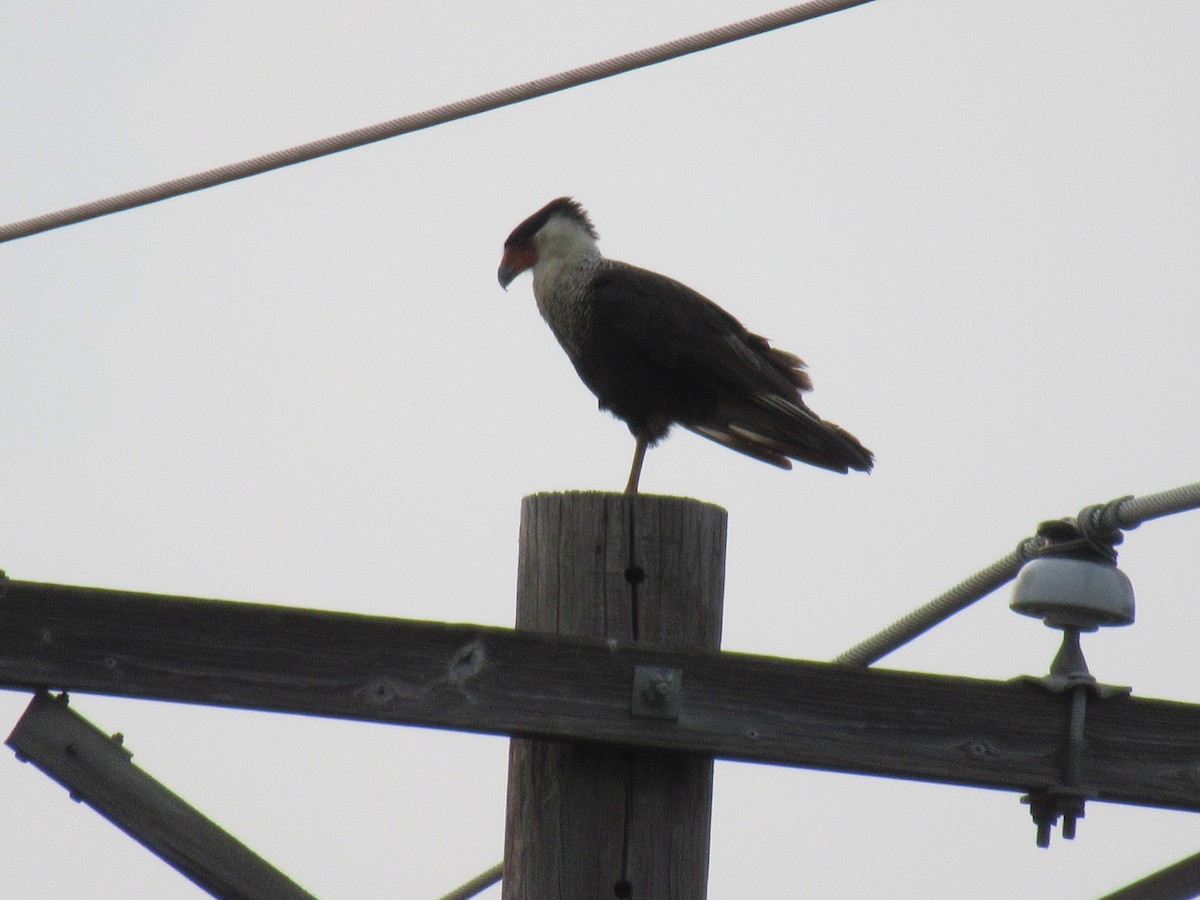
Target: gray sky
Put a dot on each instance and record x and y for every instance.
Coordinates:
(977, 223)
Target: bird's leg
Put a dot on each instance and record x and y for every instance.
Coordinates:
(639, 454)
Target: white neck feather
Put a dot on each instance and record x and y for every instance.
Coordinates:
(562, 245)
(567, 256)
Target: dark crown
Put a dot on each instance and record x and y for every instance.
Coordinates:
(563, 206)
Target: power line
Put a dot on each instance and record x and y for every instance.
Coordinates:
(478, 884)
(1123, 514)
(436, 116)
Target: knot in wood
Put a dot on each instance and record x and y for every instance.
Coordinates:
(467, 662)
(382, 691)
(978, 749)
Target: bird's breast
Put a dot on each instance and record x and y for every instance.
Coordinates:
(562, 299)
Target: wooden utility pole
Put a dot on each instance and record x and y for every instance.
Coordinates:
(596, 821)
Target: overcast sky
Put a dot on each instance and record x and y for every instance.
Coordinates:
(977, 222)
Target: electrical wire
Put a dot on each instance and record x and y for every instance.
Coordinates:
(1125, 514)
(940, 608)
(437, 116)
(1130, 512)
(478, 884)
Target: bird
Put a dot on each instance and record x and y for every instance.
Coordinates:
(657, 353)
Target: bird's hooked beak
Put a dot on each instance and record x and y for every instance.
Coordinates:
(517, 258)
(506, 274)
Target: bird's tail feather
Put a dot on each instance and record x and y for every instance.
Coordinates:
(776, 429)
(751, 446)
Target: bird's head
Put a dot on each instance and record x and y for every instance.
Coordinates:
(561, 228)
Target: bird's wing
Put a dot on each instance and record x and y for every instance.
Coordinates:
(683, 330)
(760, 411)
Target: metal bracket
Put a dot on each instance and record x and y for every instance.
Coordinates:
(1069, 677)
(1060, 684)
(657, 692)
(1067, 799)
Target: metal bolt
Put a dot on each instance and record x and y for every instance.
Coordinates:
(1043, 834)
(657, 691)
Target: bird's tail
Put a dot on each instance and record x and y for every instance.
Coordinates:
(777, 430)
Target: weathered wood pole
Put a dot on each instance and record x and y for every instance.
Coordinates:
(590, 821)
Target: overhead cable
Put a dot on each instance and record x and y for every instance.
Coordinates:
(478, 884)
(1122, 514)
(438, 115)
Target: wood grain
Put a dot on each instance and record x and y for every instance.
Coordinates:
(992, 734)
(98, 770)
(588, 821)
